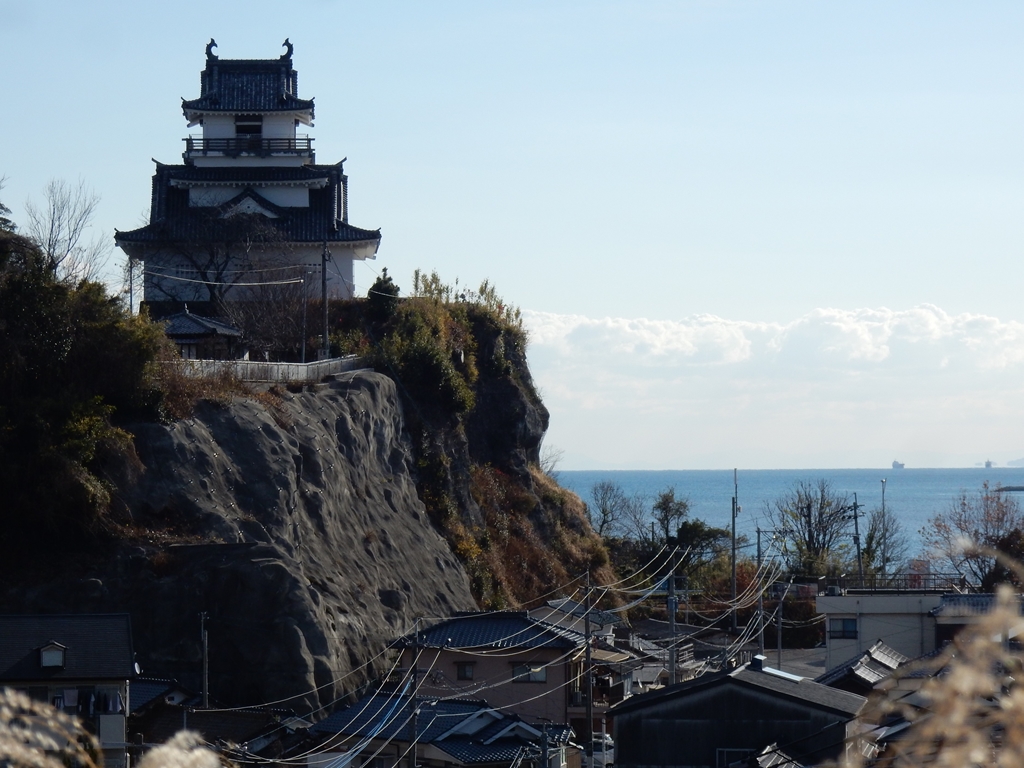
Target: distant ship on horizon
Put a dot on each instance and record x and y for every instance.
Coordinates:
(897, 464)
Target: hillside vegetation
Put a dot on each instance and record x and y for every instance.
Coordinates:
(477, 422)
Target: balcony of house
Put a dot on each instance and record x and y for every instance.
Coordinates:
(257, 146)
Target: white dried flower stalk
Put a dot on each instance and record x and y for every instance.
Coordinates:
(35, 735)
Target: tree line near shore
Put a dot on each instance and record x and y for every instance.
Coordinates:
(811, 530)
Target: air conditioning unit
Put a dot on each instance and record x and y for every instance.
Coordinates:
(833, 591)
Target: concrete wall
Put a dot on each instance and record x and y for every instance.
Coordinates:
(901, 621)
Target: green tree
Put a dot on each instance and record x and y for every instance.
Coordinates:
(668, 512)
(6, 225)
(71, 357)
(382, 298)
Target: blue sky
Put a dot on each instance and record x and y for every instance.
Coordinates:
(745, 234)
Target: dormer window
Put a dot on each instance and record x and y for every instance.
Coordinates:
(51, 656)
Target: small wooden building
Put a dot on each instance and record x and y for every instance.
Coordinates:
(718, 719)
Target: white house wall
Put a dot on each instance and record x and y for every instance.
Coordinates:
(279, 126)
(219, 127)
(901, 621)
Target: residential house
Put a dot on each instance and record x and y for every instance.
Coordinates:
(532, 668)
(717, 719)
(377, 732)
(82, 664)
(249, 214)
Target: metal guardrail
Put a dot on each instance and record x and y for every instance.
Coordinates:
(254, 370)
(898, 582)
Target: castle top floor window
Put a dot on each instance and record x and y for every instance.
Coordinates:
(249, 126)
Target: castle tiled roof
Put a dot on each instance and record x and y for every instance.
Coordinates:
(173, 220)
(248, 85)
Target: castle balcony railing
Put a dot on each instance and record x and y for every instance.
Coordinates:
(248, 145)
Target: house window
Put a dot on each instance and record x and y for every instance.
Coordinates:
(524, 673)
(464, 670)
(845, 629)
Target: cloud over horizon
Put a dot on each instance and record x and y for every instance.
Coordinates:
(832, 386)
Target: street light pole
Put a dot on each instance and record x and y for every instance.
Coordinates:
(735, 509)
(884, 542)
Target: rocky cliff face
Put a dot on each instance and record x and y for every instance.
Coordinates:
(293, 522)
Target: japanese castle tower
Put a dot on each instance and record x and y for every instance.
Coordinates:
(250, 207)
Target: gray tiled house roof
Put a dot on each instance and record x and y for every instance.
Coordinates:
(497, 629)
(97, 646)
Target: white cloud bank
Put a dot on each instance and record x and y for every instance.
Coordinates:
(831, 388)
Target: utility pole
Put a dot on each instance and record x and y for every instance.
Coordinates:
(305, 311)
(412, 694)
(673, 657)
(735, 510)
(325, 349)
(206, 661)
(590, 683)
(856, 540)
(760, 598)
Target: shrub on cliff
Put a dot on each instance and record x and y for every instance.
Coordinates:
(71, 356)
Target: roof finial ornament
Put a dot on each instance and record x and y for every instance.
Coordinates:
(287, 44)
(209, 50)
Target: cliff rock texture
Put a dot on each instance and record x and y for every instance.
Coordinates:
(293, 522)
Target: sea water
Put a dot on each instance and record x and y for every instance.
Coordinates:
(914, 495)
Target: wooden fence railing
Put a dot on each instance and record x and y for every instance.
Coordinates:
(254, 370)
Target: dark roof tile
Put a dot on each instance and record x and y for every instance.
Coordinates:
(98, 646)
(248, 85)
(497, 629)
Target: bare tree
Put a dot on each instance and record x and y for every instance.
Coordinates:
(274, 318)
(608, 508)
(222, 254)
(59, 229)
(885, 544)
(964, 536)
(814, 521)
